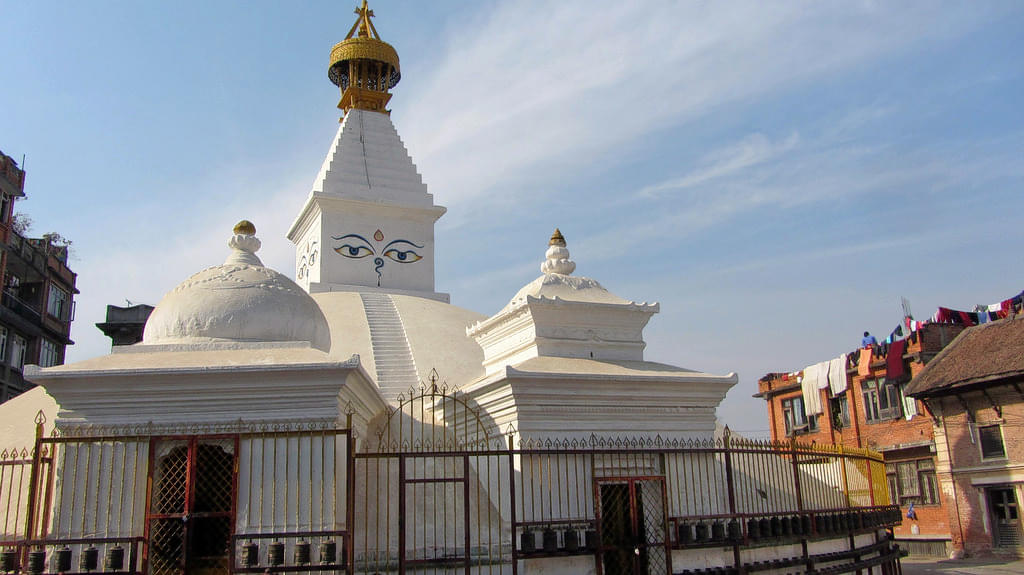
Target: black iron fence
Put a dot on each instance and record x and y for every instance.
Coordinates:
(432, 490)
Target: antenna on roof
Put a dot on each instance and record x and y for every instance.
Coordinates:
(905, 303)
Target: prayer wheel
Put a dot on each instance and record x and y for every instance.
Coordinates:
(571, 539)
(36, 562)
(275, 554)
(250, 554)
(62, 559)
(90, 559)
(302, 553)
(114, 560)
(9, 561)
(328, 553)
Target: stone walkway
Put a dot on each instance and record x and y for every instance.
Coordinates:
(987, 566)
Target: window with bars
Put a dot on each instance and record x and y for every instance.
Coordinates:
(882, 400)
(913, 481)
(991, 442)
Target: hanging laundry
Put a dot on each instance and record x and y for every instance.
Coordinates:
(810, 389)
(864, 362)
(909, 407)
(894, 367)
(837, 375)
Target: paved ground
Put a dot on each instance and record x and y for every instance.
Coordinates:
(987, 566)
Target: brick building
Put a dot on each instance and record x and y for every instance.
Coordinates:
(37, 304)
(869, 408)
(975, 391)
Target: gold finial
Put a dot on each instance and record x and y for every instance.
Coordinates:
(364, 23)
(364, 66)
(557, 239)
(245, 227)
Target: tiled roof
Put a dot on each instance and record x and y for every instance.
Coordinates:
(983, 353)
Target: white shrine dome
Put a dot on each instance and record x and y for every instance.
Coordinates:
(239, 301)
(557, 283)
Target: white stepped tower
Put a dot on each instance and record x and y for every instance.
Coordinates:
(368, 223)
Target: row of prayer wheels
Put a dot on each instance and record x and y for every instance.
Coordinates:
(88, 560)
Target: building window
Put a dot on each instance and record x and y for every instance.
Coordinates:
(912, 482)
(49, 353)
(18, 349)
(882, 400)
(3, 344)
(991, 440)
(793, 415)
(57, 303)
(839, 407)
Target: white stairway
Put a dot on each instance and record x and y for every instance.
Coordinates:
(396, 368)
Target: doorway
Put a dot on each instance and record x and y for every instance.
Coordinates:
(191, 512)
(633, 526)
(1005, 514)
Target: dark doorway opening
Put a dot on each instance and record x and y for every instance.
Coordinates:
(1005, 514)
(633, 526)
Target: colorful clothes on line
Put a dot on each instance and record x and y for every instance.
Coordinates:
(894, 367)
(864, 363)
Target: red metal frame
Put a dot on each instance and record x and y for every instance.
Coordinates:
(187, 515)
(635, 519)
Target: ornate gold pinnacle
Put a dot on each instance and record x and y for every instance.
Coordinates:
(557, 239)
(364, 66)
(245, 227)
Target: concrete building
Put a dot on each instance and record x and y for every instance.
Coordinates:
(38, 293)
(974, 390)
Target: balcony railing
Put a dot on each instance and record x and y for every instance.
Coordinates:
(20, 307)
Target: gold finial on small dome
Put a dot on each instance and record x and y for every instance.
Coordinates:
(364, 66)
(245, 227)
(557, 239)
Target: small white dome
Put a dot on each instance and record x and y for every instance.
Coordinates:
(239, 301)
(558, 283)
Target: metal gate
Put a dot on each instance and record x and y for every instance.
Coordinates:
(192, 505)
(443, 479)
(429, 488)
(633, 521)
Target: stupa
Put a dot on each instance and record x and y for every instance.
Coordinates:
(353, 420)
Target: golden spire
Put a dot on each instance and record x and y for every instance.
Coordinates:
(557, 239)
(364, 66)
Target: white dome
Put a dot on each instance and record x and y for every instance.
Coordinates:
(239, 301)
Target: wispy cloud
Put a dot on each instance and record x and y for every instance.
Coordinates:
(521, 97)
(753, 150)
(757, 175)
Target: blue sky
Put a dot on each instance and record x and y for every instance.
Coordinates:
(776, 175)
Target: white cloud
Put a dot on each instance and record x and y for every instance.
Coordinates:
(753, 150)
(526, 93)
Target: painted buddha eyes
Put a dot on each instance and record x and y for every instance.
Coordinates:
(394, 252)
(356, 252)
(356, 247)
